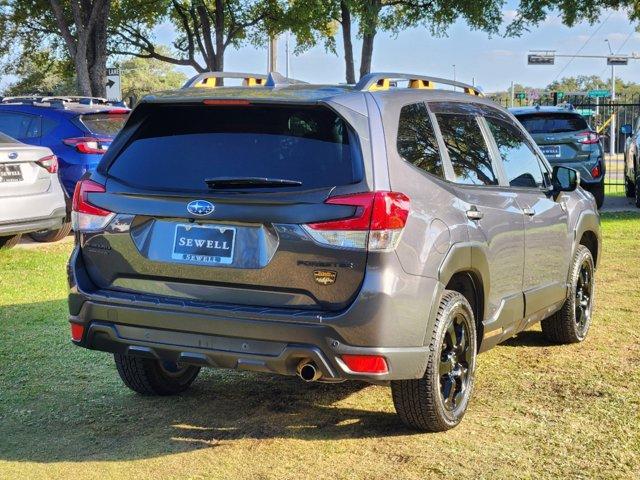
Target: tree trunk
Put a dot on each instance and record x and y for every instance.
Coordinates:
(98, 53)
(82, 72)
(369, 30)
(219, 33)
(345, 21)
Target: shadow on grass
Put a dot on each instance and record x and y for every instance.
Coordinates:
(528, 338)
(64, 403)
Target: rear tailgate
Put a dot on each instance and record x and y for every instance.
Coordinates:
(243, 245)
(19, 173)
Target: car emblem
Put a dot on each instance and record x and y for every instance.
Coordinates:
(13, 155)
(200, 207)
(325, 277)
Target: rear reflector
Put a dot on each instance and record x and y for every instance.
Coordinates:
(377, 223)
(86, 217)
(595, 171)
(50, 163)
(366, 363)
(77, 332)
(89, 145)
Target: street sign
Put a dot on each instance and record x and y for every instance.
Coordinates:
(599, 93)
(559, 95)
(541, 59)
(521, 95)
(617, 60)
(113, 84)
(586, 112)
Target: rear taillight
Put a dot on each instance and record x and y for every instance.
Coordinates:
(377, 224)
(88, 144)
(86, 217)
(50, 163)
(588, 138)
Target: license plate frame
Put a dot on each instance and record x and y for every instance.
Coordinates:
(550, 151)
(11, 173)
(203, 246)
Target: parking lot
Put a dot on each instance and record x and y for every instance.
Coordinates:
(539, 410)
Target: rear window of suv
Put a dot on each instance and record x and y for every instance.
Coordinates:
(178, 147)
(108, 124)
(553, 122)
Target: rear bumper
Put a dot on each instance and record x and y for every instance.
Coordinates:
(252, 338)
(51, 222)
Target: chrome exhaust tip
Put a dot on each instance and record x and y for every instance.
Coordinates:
(308, 371)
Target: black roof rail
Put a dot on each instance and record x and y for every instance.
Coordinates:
(377, 81)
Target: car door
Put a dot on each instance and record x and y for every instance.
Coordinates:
(547, 236)
(495, 220)
(21, 126)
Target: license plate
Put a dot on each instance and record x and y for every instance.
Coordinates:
(551, 150)
(10, 173)
(204, 244)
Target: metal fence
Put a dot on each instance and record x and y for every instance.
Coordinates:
(600, 113)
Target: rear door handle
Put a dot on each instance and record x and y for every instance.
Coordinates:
(474, 214)
(529, 211)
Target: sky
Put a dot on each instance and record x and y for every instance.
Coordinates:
(491, 62)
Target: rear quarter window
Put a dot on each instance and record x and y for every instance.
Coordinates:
(553, 122)
(178, 147)
(108, 124)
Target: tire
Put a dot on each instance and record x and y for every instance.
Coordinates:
(9, 242)
(598, 193)
(153, 377)
(423, 404)
(52, 235)
(629, 188)
(637, 191)
(571, 323)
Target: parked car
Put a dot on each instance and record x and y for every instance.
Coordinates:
(31, 197)
(367, 232)
(632, 161)
(565, 138)
(77, 133)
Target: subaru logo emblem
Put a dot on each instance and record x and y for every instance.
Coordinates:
(13, 155)
(200, 207)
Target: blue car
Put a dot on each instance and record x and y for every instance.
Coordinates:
(78, 134)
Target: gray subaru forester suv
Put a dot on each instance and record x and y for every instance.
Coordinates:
(386, 232)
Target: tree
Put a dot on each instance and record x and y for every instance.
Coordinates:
(42, 73)
(205, 29)
(73, 29)
(141, 76)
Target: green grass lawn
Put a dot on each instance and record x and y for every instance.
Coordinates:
(539, 410)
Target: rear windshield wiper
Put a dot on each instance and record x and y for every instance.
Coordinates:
(249, 182)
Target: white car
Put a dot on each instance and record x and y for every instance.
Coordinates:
(31, 197)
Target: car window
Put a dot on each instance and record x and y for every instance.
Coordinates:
(467, 149)
(521, 164)
(19, 125)
(104, 123)
(553, 122)
(417, 142)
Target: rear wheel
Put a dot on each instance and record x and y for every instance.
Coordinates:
(438, 401)
(52, 235)
(637, 191)
(598, 193)
(9, 242)
(571, 323)
(629, 187)
(155, 377)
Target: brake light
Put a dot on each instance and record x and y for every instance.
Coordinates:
(588, 138)
(77, 332)
(227, 102)
(49, 163)
(118, 111)
(377, 223)
(85, 216)
(91, 145)
(366, 363)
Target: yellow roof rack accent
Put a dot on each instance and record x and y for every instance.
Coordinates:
(383, 80)
(210, 80)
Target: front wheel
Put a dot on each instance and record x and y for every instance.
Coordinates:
(52, 235)
(155, 377)
(438, 401)
(571, 323)
(9, 242)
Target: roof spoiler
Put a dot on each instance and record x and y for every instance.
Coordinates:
(211, 80)
(377, 81)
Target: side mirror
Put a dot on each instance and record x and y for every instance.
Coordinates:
(565, 179)
(626, 129)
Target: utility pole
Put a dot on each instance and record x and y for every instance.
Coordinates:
(286, 48)
(612, 125)
(273, 54)
(513, 94)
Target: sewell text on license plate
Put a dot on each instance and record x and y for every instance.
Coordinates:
(204, 244)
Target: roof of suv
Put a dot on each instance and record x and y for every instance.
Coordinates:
(260, 88)
(543, 109)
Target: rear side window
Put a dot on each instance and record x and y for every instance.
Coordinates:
(417, 142)
(467, 149)
(178, 147)
(104, 123)
(521, 165)
(19, 125)
(553, 122)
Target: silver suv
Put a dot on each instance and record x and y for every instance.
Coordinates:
(386, 232)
